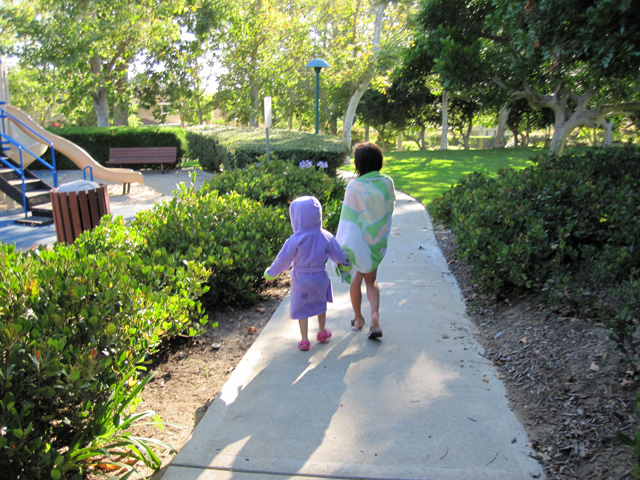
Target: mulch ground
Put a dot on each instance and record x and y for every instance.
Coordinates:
(565, 380)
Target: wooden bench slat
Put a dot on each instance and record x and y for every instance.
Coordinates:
(143, 155)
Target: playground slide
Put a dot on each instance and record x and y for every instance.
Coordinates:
(77, 155)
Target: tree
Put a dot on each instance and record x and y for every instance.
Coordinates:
(415, 106)
(387, 32)
(91, 44)
(579, 60)
(182, 71)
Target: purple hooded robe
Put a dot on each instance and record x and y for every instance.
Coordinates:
(307, 251)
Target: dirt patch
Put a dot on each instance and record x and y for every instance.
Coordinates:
(565, 380)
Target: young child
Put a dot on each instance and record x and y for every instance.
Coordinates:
(307, 251)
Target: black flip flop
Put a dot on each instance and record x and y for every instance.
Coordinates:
(354, 327)
(374, 332)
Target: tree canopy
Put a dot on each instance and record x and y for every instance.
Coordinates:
(579, 59)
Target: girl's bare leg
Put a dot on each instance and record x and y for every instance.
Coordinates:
(355, 291)
(373, 295)
(304, 328)
(322, 319)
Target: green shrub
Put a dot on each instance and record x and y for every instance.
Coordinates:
(97, 141)
(78, 322)
(246, 146)
(276, 182)
(633, 442)
(203, 145)
(73, 324)
(235, 238)
(567, 226)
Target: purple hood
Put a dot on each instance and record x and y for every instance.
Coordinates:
(306, 214)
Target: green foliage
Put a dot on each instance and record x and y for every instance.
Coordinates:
(106, 436)
(275, 182)
(246, 145)
(78, 322)
(204, 145)
(97, 141)
(74, 322)
(234, 237)
(633, 442)
(567, 226)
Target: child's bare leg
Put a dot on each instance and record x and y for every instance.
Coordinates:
(373, 295)
(322, 319)
(304, 328)
(355, 291)
(324, 334)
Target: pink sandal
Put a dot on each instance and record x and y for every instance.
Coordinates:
(324, 336)
(304, 345)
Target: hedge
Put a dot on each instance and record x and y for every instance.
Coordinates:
(97, 141)
(244, 146)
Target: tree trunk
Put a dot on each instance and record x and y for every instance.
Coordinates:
(101, 106)
(99, 95)
(445, 120)
(121, 108)
(350, 114)
(333, 126)
(608, 133)
(568, 118)
(503, 116)
(466, 135)
(367, 127)
(255, 108)
(399, 142)
(199, 107)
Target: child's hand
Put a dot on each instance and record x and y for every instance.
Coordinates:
(268, 278)
(344, 267)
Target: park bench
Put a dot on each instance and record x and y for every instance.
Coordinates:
(142, 156)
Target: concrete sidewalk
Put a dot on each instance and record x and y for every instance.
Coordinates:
(158, 187)
(421, 403)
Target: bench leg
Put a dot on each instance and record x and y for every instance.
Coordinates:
(126, 188)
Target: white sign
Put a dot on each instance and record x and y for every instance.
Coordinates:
(267, 112)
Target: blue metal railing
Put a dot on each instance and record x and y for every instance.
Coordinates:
(6, 140)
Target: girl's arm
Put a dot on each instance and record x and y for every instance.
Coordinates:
(284, 259)
(336, 253)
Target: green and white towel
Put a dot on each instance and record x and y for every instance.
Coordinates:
(365, 222)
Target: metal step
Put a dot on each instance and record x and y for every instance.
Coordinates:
(35, 221)
(43, 210)
(36, 197)
(30, 183)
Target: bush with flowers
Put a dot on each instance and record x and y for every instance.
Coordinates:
(276, 183)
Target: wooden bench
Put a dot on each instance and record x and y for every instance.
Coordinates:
(142, 156)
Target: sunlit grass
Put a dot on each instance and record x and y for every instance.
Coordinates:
(427, 174)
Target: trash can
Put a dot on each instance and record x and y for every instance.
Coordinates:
(78, 206)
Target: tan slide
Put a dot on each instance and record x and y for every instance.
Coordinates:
(77, 155)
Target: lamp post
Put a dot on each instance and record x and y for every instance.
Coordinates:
(317, 65)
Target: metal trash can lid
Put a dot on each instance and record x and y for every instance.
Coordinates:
(78, 185)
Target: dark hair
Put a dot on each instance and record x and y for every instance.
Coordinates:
(367, 158)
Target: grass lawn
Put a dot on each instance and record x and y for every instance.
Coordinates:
(426, 174)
